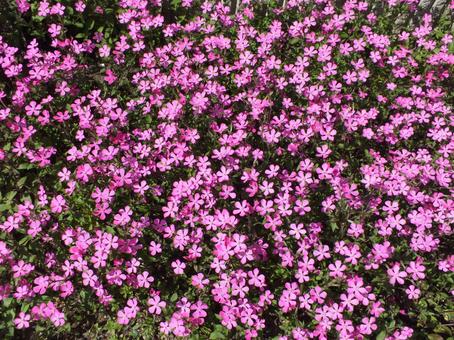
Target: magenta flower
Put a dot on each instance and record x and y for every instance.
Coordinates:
(22, 321)
(155, 305)
(395, 275)
(178, 267)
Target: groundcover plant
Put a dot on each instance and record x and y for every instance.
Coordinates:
(215, 171)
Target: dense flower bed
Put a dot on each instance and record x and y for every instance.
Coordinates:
(180, 170)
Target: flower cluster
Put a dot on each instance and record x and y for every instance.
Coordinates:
(275, 171)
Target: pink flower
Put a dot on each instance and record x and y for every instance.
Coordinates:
(84, 172)
(155, 305)
(58, 204)
(144, 279)
(395, 275)
(368, 326)
(178, 267)
(122, 317)
(123, 217)
(22, 321)
(110, 77)
(413, 292)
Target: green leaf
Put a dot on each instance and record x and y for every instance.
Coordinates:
(25, 307)
(174, 297)
(434, 336)
(216, 335)
(10, 195)
(25, 240)
(110, 230)
(25, 166)
(392, 325)
(7, 302)
(381, 335)
(21, 181)
(449, 315)
(442, 329)
(112, 325)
